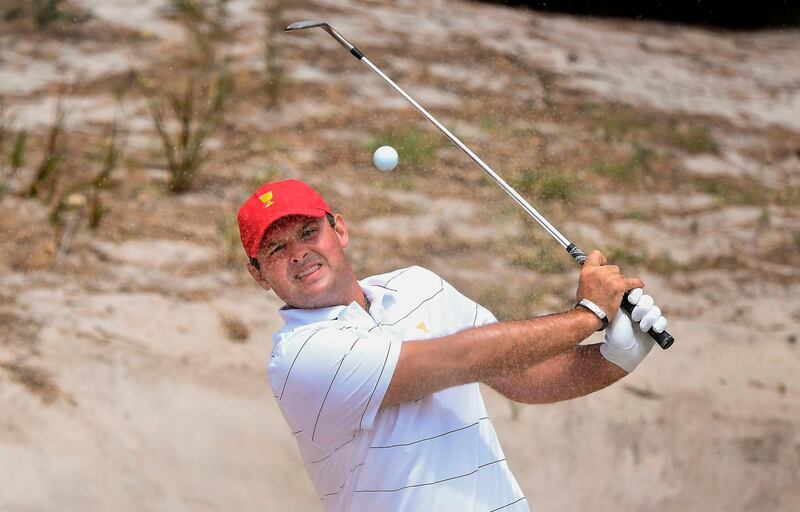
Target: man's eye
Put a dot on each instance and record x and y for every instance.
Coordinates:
(307, 233)
(275, 250)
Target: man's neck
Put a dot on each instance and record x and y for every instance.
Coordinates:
(357, 296)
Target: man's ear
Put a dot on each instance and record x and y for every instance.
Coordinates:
(258, 277)
(341, 230)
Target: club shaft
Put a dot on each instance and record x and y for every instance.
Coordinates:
(561, 239)
(664, 339)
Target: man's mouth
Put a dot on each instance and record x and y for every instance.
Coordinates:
(310, 270)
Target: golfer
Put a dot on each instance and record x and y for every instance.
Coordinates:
(378, 378)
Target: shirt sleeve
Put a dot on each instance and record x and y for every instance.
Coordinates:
(330, 382)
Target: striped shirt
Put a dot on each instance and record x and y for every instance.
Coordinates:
(329, 371)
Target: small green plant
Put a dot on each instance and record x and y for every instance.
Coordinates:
(627, 171)
(542, 258)
(764, 219)
(398, 181)
(42, 13)
(198, 111)
(46, 11)
(613, 129)
(544, 184)
(416, 147)
(102, 181)
(628, 254)
(83, 198)
(730, 191)
(16, 155)
(53, 155)
(664, 263)
(547, 79)
(694, 139)
(556, 187)
(661, 263)
(228, 229)
(206, 22)
(275, 78)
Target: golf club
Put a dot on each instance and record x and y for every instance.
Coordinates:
(664, 339)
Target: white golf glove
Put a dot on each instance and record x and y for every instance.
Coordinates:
(627, 345)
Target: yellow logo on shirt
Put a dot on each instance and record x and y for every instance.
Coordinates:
(266, 199)
(421, 326)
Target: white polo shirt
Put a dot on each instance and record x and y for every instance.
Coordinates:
(329, 371)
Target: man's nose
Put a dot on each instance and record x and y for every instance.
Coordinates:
(298, 252)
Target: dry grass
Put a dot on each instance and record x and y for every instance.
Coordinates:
(235, 329)
(36, 380)
(197, 110)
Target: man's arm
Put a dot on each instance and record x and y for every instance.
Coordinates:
(485, 352)
(587, 368)
(506, 348)
(570, 374)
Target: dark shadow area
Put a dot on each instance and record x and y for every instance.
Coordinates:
(713, 13)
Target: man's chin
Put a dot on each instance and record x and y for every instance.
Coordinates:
(314, 294)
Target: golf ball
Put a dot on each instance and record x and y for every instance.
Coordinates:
(385, 158)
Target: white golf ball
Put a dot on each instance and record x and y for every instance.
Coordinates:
(385, 158)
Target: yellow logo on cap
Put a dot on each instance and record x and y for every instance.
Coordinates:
(422, 327)
(266, 199)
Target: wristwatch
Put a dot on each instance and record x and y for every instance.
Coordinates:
(594, 308)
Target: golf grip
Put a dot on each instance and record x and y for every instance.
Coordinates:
(664, 339)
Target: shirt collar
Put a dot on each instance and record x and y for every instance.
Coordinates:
(295, 317)
(380, 298)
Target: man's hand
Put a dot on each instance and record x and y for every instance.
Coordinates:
(626, 344)
(604, 284)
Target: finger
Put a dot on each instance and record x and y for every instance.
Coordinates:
(635, 295)
(650, 319)
(660, 325)
(633, 282)
(595, 259)
(613, 268)
(642, 307)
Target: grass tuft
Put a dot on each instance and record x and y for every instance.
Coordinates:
(546, 185)
(54, 153)
(543, 258)
(198, 111)
(16, 155)
(627, 171)
(660, 263)
(275, 79)
(694, 139)
(83, 199)
(416, 147)
(228, 229)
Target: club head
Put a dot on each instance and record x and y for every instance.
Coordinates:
(301, 25)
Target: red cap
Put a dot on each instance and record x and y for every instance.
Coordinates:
(270, 202)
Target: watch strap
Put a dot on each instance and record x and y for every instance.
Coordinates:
(594, 308)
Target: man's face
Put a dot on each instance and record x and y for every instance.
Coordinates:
(302, 261)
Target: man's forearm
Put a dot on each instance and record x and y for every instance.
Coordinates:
(570, 374)
(485, 352)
